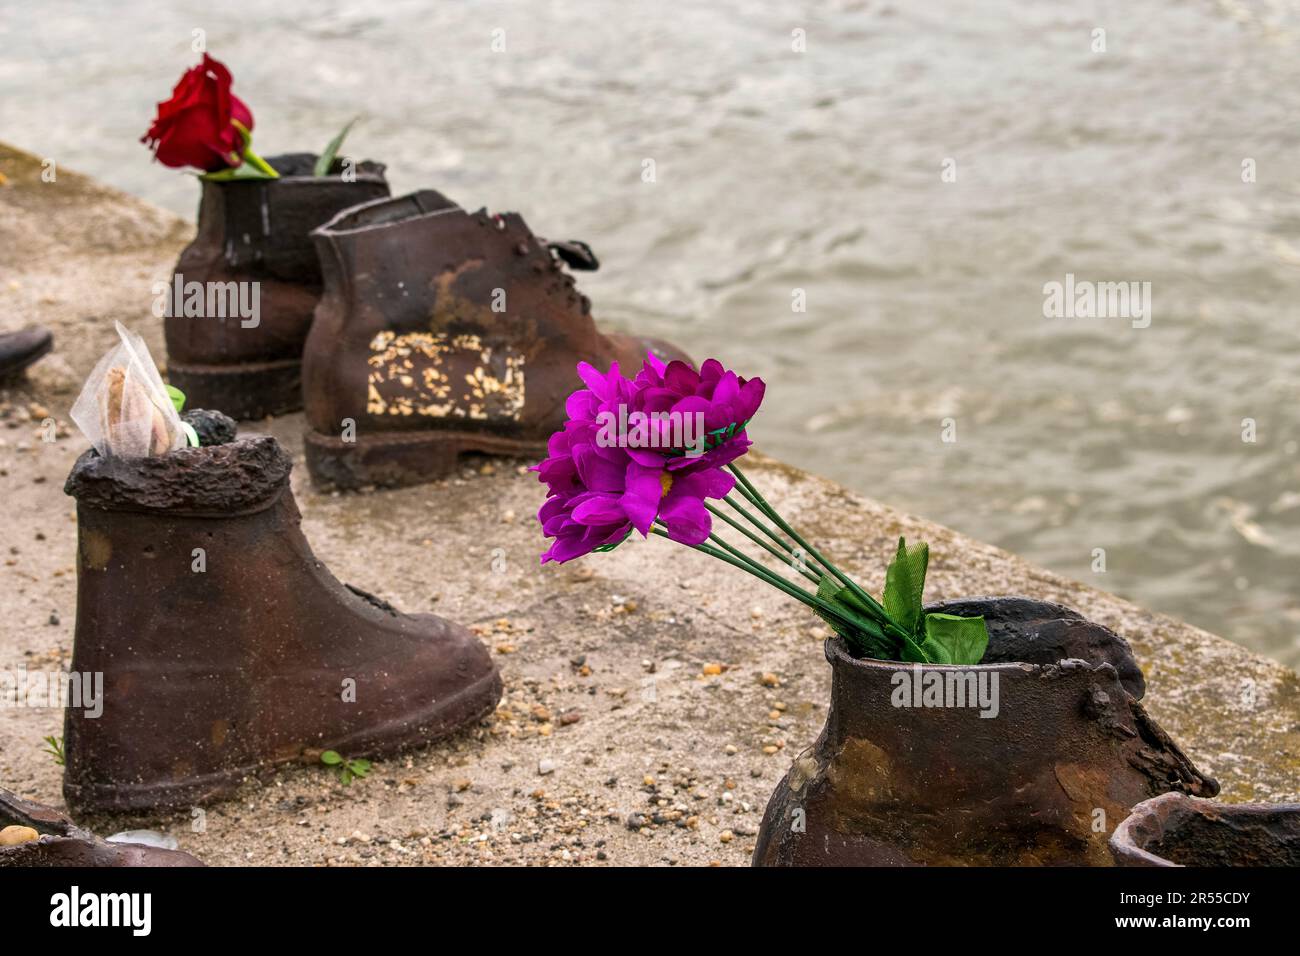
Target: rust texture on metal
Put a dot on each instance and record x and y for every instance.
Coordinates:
(442, 332)
(1177, 830)
(226, 646)
(63, 843)
(255, 230)
(1038, 779)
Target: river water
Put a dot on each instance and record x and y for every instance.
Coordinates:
(913, 176)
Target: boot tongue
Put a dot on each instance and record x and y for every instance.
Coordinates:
(575, 253)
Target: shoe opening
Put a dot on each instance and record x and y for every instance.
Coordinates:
(384, 212)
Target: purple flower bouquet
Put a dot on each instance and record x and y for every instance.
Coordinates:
(652, 453)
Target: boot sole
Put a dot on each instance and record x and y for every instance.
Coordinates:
(442, 720)
(251, 390)
(399, 459)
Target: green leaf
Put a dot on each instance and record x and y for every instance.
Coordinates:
(54, 747)
(613, 544)
(914, 653)
(904, 584)
(177, 397)
(950, 639)
(828, 591)
(326, 159)
(359, 767)
(867, 643)
(330, 758)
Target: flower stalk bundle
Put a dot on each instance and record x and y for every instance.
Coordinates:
(205, 126)
(605, 482)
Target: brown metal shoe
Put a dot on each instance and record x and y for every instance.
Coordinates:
(226, 646)
(1177, 830)
(442, 332)
(1029, 758)
(20, 349)
(256, 231)
(60, 842)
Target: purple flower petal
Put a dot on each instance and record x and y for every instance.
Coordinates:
(598, 490)
(599, 510)
(596, 472)
(686, 518)
(641, 499)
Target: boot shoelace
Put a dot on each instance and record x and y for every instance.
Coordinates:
(574, 253)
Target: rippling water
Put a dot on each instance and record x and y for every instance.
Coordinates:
(820, 171)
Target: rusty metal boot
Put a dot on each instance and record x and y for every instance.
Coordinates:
(255, 231)
(442, 332)
(226, 646)
(20, 349)
(1031, 757)
(1177, 830)
(60, 842)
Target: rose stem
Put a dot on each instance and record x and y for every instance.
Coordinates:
(260, 163)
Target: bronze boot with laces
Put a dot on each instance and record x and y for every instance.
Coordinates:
(442, 332)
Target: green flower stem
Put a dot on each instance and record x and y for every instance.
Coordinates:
(259, 163)
(781, 584)
(761, 503)
(823, 568)
(766, 529)
(815, 578)
(736, 552)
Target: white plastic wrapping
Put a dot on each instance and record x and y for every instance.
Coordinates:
(124, 408)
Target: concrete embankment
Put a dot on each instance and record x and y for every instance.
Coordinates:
(612, 743)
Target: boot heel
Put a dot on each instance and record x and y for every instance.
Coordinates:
(395, 460)
(254, 390)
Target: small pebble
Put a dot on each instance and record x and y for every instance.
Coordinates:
(12, 836)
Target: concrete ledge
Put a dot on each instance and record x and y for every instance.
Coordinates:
(603, 658)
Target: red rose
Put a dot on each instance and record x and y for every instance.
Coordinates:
(196, 126)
